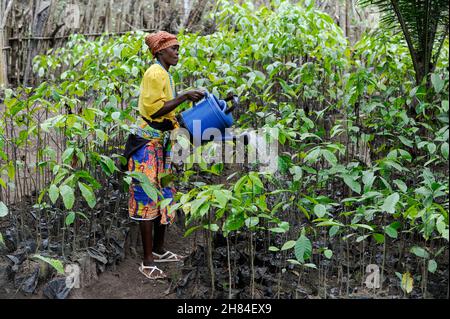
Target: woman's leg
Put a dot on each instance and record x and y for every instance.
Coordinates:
(158, 245)
(147, 241)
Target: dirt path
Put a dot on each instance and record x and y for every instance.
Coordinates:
(125, 281)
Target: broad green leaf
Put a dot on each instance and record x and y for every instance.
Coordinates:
(330, 157)
(431, 148)
(320, 210)
(277, 230)
(328, 253)
(164, 203)
(53, 193)
(391, 232)
(333, 230)
(288, 245)
(313, 155)
(361, 238)
(432, 265)
(251, 222)
(88, 194)
(221, 198)
(191, 230)
(115, 116)
(420, 252)
(390, 202)
(444, 150)
(401, 185)
(67, 195)
(303, 248)
(437, 82)
(70, 218)
(107, 165)
(67, 155)
(55, 263)
(211, 227)
(379, 238)
(352, 183)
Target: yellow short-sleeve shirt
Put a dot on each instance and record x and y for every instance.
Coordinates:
(155, 91)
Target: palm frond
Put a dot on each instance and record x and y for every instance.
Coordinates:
(424, 24)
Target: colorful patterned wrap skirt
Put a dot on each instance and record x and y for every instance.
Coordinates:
(154, 161)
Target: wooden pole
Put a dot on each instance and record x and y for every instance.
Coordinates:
(3, 45)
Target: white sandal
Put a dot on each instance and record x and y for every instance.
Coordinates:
(168, 256)
(153, 268)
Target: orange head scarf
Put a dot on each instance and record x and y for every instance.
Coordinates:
(160, 40)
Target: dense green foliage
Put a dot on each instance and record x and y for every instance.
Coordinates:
(353, 165)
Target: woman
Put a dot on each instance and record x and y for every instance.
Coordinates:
(149, 148)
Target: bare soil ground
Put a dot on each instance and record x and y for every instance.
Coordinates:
(126, 282)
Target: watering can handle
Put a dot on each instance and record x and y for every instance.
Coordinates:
(235, 102)
(206, 95)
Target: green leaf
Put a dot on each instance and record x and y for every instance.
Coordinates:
(390, 202)
(146, 185)
(303, 248)
(352, 183)
(88, 194)
(401, 185)
(406, 141)
(211, 227)
(115, 116)
(328, 253)
(221, 198)
(277, 230)
(273, 248)
(320, 210)
(431, 148)
(53, 193)
(391, 232)
(333, 230)
(191, 230)
(437, 82)
(108, 165)
(432, 265)
(251, 222)
(165, 202)
(3, 209)
(420, 252)
(361, 238)
(379, 238)
(67, 155)
(313, 155)
(368, 227)
(288, 245)
(330, 157)
(70, 218)
(68, 196)
(444, 150)
(55, 263)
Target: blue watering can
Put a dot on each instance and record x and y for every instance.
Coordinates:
(212, 112)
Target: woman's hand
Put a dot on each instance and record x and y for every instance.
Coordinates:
(194, 95)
